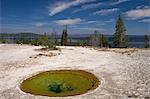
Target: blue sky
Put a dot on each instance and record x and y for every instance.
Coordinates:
(81, 16)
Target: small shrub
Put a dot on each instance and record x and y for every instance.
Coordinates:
(35, 42)
(3, 41)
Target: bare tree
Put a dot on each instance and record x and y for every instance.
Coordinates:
(53, 39)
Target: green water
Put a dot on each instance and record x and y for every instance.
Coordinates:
(60, 83)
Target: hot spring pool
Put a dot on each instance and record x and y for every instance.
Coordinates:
(60, 83)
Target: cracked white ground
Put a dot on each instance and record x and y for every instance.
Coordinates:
(124, 73)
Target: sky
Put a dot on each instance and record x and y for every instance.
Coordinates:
(81, 16)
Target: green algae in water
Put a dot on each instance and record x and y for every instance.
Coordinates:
(58, 88)
(60, 83)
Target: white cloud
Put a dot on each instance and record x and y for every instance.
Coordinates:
(119, 2)
(91, 28)
(88, 6)
(142, 7)
(145, 20)
(61, 6)
(68, 21)
(138, 13)
(94, 5)
(39, 24)
(106, 11)
(90, 22)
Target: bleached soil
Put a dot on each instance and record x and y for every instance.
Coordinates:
(124, 73)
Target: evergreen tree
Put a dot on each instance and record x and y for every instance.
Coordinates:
(103, 41)
(120, 38)
(147, 41)
(64, 37)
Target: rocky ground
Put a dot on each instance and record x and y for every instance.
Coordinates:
(124, 73)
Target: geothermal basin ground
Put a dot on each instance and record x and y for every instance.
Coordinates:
(123, 73)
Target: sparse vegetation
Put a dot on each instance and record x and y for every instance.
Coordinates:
(98, 40)
(44, 41)
(35, 42)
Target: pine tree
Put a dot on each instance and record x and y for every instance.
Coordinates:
(120, 38)
(104, 41)
(147, 41)
(64, 37)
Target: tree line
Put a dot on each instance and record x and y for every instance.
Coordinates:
(97, 39)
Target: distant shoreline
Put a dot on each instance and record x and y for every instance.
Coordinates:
(136, 41)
